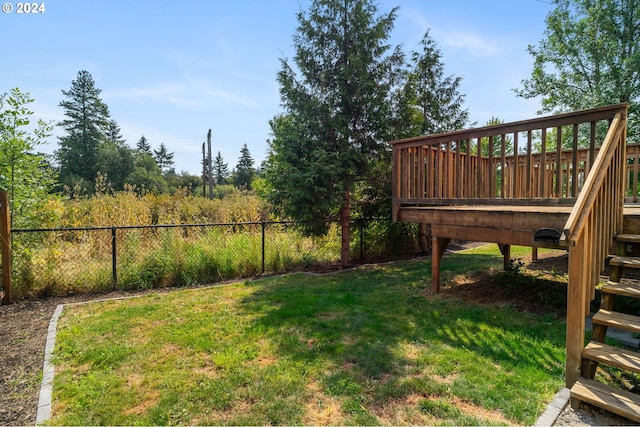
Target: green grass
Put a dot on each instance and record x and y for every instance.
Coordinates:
(366, 347)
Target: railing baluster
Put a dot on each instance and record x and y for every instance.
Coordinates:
(543, 164)
(559, 174)
(469, 164)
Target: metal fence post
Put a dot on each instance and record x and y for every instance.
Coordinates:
(264, 226)
(361, 226)
(114, 258)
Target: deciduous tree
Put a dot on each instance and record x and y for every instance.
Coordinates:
(590, 56)
(23, 172)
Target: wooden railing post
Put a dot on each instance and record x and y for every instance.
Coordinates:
(5, 238)
(576, 313)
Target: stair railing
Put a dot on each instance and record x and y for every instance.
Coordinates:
(596, 217)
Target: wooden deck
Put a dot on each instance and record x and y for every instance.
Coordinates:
(506, 224)
(571, 173)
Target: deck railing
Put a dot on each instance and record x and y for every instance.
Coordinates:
(596, 218)
(581, 159)
(540, 161)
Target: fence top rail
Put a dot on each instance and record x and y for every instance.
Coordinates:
(577, 117)
(151, 226)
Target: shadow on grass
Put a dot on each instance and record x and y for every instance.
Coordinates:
(381, 325)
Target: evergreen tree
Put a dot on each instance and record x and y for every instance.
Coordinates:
(437, 97)
(337, 112)
(164, 159)
(85, 125)
(220, 170)
(244, 172)
(114, 133)
(590, 57)
(143, 146)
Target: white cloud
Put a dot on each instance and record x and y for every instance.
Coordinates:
(173, 93)
(475, 44)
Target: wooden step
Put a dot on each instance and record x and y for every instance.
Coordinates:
(624, 289)
(625, 261)
(628, 360)
(628, 238)
(614, 319)
(614, 400)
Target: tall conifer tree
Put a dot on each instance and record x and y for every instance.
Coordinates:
(86, 123)
(220, 169)
(335, 123)
(245, 171)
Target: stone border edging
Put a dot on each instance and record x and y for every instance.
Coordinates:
(554, 409)
(44, 400)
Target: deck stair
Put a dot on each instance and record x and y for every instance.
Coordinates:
(586, 389)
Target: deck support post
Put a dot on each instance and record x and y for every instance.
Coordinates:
(505, 249)
(438, 247)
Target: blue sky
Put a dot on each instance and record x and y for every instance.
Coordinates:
(172, 70)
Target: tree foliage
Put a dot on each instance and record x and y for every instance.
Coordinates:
(143, 146)
(245, 172)
(116, 163)
(86, 124)
(590, 56)
(220, 170)
(23, 172)
(438, 101)
(337, 111)
(163, 158)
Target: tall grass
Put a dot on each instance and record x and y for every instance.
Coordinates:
(80, 261)
(129, 208)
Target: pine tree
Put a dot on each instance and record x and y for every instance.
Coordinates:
(163, 158)
(245, 171)
(220, 170)
(85, 125)
(143, 146)
(114, 133)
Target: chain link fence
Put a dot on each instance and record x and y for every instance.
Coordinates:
(64, 261)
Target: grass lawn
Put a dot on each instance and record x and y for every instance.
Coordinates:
(370, 346)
